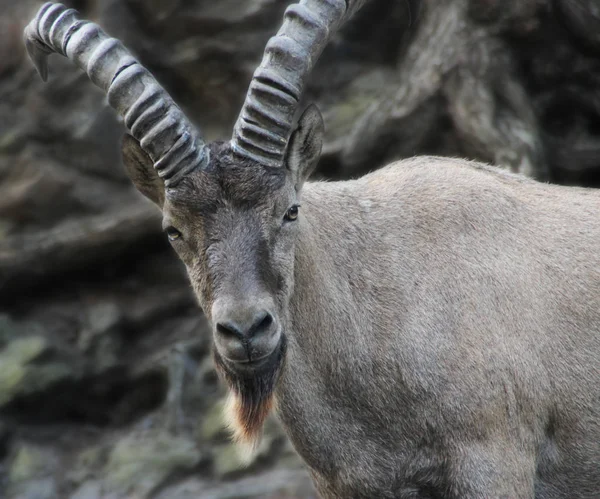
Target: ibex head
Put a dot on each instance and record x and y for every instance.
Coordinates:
(230, 210)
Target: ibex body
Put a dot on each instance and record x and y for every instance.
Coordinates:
(445, 337)
(429, 330)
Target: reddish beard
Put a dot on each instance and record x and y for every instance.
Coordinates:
(252, 394)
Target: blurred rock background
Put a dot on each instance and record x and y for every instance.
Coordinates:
(107, 389)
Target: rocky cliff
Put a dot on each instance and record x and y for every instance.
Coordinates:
(107, 389)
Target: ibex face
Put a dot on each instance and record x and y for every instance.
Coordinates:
(230, 209)
(234, 225)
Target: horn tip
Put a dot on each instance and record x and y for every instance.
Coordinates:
(41, 65)
(37, 56)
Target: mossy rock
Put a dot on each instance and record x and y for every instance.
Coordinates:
(97, 338)
(29, 462)
(139, 464)
(7, 329)
(43, 488)
(89, 490)
(14, 360)
(211, 425)
(28, 361)
(19, 375)
(30, 473)
(87, 462)
(351, 104)
(11, 140)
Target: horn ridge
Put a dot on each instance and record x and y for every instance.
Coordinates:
(149, 112)
(277, 84)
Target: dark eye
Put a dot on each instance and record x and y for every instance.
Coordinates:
(291, 214)
(173, 233)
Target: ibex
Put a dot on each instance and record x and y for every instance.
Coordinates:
(429, 330)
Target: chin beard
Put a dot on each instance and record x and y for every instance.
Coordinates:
(251, 394)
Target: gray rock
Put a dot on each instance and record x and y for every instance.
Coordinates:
(29, 364)
(89, 490)
(31, 473)
(140, 463)
(276, 484)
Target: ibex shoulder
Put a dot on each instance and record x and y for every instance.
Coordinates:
(426, 181)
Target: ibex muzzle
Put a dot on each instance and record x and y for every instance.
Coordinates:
(429, 330)
(246, 331)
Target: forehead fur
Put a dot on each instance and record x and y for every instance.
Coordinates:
(227, 180)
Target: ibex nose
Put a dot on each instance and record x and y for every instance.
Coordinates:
(244, 333)
(246, 326)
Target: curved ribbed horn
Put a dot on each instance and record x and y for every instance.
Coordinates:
(263, 127)
(171, 141)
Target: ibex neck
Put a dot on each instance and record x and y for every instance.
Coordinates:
(332, 247)
(338, 321)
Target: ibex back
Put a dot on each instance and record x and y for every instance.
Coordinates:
(429, 330)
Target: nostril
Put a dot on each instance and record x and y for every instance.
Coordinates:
(253, 324)
(262, 323)
(229, 329)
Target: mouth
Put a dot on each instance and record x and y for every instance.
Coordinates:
(248, 352)
(254, 363)
(253, 366)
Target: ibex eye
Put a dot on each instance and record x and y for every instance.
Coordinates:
(173, 233)
(291, 214)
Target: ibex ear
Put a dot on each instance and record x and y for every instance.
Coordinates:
(304, 148)
(140, 170)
